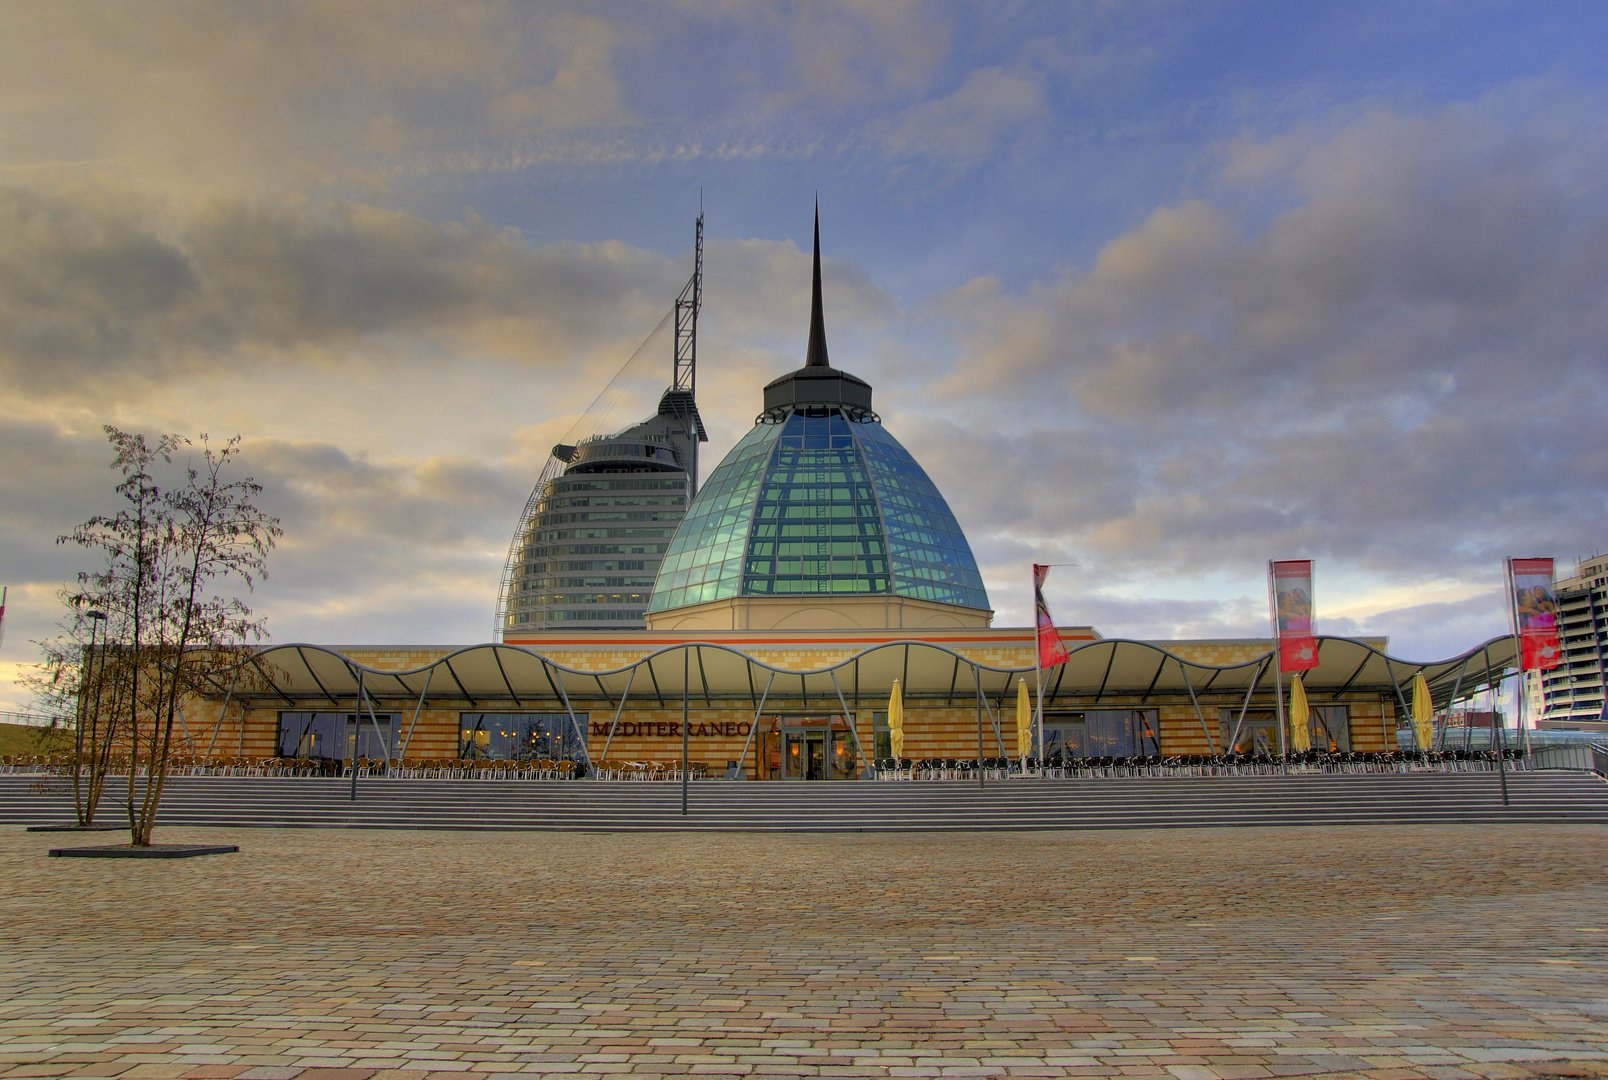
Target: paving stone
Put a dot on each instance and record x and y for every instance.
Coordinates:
(1391, 953)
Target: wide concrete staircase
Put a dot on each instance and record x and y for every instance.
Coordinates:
(1139, 803)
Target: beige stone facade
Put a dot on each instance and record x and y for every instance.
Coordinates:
(826, 612)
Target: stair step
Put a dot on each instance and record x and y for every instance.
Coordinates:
(1106, 803)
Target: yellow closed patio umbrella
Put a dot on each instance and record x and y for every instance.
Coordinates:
(896, 720)
(1300, 718)
(1024, 720)
(1423, 712)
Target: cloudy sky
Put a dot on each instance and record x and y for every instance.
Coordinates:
(1159, 289)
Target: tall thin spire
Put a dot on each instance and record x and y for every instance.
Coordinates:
(815, 354)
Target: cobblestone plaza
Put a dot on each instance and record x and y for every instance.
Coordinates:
(1385, 952)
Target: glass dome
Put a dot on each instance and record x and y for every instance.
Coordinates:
(813, 501)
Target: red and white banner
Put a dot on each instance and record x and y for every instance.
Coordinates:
(1535, 613)
(1290, 583)
(1050, 649)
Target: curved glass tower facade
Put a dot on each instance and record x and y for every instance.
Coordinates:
(818, 500)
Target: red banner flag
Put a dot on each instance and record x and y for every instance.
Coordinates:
(1291, 584)
(1050, 649)
(1535, 613)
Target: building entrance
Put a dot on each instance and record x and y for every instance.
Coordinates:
(1258, 734)
(810, 748)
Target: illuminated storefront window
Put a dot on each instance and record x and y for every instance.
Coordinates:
(1102, 733)
(328, 736)
(521, 736)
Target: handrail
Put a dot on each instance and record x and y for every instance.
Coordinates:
(39, 720)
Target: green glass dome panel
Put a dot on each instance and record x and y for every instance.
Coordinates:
(818, 505)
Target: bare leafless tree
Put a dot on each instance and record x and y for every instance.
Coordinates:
(172, 626)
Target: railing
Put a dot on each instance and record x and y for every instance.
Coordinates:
(40, 720)
(1599, 759)
(1578, 757)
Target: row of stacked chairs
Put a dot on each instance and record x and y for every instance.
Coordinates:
(649, 770)
(475, 769)
(1059, 766)
(1055, 767)
(412, 768)
(943, 768)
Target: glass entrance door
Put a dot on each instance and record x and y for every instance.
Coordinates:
(808, 753)
(1258, 734)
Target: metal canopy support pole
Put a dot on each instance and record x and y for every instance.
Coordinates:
(859, 747)
(408, 738)
(977, 680)
(1211, 747)
(615, 725)
(378, 734)
(575, 725)
(186, 729)
(993, 721)
(357, 724)
(1401, 703)
(224, 712)
(1233, 740)
(1446, 720)
(754, 727)
(686, 687)
(1496, 724)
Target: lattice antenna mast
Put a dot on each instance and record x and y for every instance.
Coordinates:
(681, 400)
(687, 305)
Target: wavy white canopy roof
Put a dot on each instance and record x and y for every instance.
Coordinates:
(504, 676)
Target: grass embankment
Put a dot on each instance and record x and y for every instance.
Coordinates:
(20, 739)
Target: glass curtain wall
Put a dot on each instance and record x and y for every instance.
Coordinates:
(818, 505)
(1102, 733)
(1328, 728)
(521, 736)
(327, 736)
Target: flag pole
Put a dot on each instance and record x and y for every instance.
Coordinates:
(1038, 678)
(1278, 666)
(1043, 622)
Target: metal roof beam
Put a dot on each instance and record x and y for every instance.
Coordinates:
(316, 680)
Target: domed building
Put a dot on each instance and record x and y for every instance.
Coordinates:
(818, 519)
(817, 612)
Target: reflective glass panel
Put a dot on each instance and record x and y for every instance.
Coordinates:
(818, 505)
(328, 736)
(521, 736)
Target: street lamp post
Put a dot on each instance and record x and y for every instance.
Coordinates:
(94, 668)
